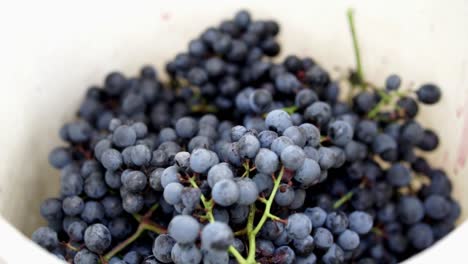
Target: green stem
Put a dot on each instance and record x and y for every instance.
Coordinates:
(266, 213)
(124, 243)
(357, 52)
(290, 109)
(343, 200)
(208, 205)
(250, 220)
(145, 225)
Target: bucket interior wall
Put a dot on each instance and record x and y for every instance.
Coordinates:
(49, 61)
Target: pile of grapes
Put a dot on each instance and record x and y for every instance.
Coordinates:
(240, 159)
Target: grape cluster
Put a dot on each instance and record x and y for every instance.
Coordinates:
(239, 159)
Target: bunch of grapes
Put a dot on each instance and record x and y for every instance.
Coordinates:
(239, 159)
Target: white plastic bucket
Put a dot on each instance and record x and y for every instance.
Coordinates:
(52, 51)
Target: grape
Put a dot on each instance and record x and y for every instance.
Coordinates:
(185, 254)
(97, 238)
(296, 135)
(202, 160)
(305, 97)
(299, 226)
(60, 157)
(323, 238)
(93, 211)
(317, 216)
(248, 146)
(285, 255)
(132, 257)
(327, 158)
(190, 198)
(348, 240)
(184, 229)
(410, 210)
(299, 199)
(162, 248)
(421, 236)
(155, 179)
(340, 133)
(392, 83)
(278, 121)
(428, 94)
(264, 183)
(140, 155)
(304, 247)
(437, 207)
(221, 215)
(260, 100)
(248, 191)
(264, 247)
(186, 127)
(285, 195)
(124, 136)
(112, 206)
(308, 173)
(72, 205)
(225, 192)
(94, 186)
(337, 222)
(172, 193)
(267, 137)
(311, 133)
(182, 159)
(140, 129)
(310, 259)
(266, 161)
(84, 256)
(397, 243)
(318, 113)
(280, 143)
(429, 141)
(112, 179)
(360, 222)
(385, 146)
(134, 181)
(292, 157)
(120, 227)
(76, 230)
(169, 175)
(132, 203)
(215, 257)
(45, 237)
(217, 236)
(111, 159)
(271, 230)
(219, 172)
(409, 106)
(333, 255)
(366, 131)
(411, 132)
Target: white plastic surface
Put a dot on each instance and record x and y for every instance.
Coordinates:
(51, 51)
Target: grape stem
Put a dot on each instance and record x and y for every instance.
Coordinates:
(250, 230)
(343, 200)
(357, 52)
(208, 205)
(145, 225)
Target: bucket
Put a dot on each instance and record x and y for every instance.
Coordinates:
(54, 51)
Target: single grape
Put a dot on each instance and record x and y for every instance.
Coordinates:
(225, 192)
(216, 236)
(184, 229)
(97, 238)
